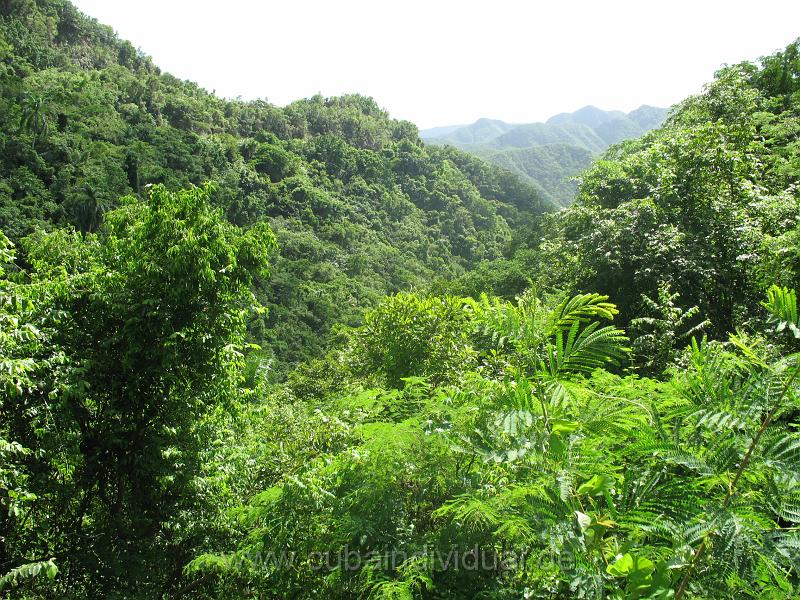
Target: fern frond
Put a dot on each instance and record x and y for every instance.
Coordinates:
(781, 451)
(719, 420)
(782, 305)
(470, 513)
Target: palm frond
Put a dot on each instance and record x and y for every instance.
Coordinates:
(782, 305)
(579, 350)
(581, 308)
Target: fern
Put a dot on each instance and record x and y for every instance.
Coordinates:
(658, 338)
(611, 486)
(782, 306)
(584, 350)
(472, 513)
(566, 339)
(581, 308)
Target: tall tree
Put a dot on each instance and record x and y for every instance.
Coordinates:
(149, 315)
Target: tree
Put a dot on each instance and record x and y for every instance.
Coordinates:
(34, 117)
(150, 316)
(658, 335)
(412, 335)
(20, 340)
(685, 205)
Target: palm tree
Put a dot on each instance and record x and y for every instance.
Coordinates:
(34, 116)
(87, 209)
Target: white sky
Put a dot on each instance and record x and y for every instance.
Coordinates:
(441, 62)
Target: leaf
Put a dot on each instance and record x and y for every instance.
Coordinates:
(782, 305)
(561, 426)
(631, 565)
(597, 485)
(29, 571)
(584, 520)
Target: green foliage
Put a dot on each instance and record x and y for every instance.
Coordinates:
(567, 338)
(360, 207)
(29, 571)
(442, 446)
(706, 204)
(34, 116)
(552, 166)
(409, 335)
(782, 306)
(19, 340)
(664, 334)
(145, 330)
(602, 484)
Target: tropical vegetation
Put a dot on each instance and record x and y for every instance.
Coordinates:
(250, 351)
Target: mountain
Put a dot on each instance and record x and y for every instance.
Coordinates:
(360, 206)
(648, 117)
(539, 134)
(590, 116)
(587, 132)
(548, 165)
(141, 211)
(480, 132)
(439, 131)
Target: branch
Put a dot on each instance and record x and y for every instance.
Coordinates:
(739, 472)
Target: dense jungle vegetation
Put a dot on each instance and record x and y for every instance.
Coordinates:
(360, 207)
(258, 352)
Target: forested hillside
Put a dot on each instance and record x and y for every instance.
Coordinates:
(360, 207)
(250, 351)
(550, 155)
(705, 206)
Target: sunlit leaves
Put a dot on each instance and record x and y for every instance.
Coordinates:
(782, 306)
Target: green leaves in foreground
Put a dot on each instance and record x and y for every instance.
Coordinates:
(782, 306)
(139, 338)
(566, 482)
(18, 575)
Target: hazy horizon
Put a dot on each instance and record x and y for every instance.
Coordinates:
(452, 63)
(610, 109)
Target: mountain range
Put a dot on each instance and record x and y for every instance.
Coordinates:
(550, 154)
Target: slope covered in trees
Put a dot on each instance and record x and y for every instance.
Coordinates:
(361, 208)
(530, 447)
(608, 411)
(549, 155)
(706, 205)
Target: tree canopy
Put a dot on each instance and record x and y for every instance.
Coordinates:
(250, 351)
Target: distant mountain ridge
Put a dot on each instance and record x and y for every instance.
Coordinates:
(549, 154)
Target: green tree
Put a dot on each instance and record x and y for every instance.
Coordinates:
(665, 332)
(34, 117)
(150, 316)
(412, 335)
(20, 340)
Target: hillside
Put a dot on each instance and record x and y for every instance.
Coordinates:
(360, 206)
(261, 352)
(549, 165)
(588, 132)
(703, 206)
(482, 131)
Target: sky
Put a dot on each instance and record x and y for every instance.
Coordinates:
(443, 62)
